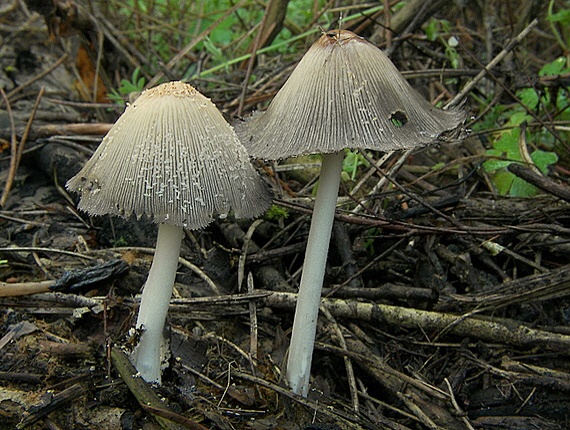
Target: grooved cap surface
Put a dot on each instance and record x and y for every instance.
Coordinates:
(345, 93)
(172, 157)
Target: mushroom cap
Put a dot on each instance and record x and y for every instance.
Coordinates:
(345, 93)
(172, 157)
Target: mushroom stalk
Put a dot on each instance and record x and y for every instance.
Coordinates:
(307, 309)
(155, 300)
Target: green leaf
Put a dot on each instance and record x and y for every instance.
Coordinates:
(438, 166)
(562, 103)
(517, 118)
(528, 97)
(503, 180)
(276, 212)
(556, 67)
(521, 188)
(543, 159)
(563, 17)
(508, 144)
(432, 30)
(495, 163)
(353, 160)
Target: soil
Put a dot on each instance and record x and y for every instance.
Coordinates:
(446, 305)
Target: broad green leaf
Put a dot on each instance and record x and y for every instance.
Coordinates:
(508, 144)
(495, 163)
(503, 180)
(543, 159)
(555, 67)
(521, 188)
(528, 97)
(563, 17)
(517, 118)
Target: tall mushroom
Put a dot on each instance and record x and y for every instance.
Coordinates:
(344, 93)
(173, 158)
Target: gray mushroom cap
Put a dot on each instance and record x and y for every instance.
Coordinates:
(345, 93)
(172, 157)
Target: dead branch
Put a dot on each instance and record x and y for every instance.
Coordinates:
(492, 330)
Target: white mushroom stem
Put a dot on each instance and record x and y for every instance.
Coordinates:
(307, 310)
(155, 300)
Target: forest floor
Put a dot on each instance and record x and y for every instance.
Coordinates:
(446, 301)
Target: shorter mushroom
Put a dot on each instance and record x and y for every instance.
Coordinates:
(344, 93)
(173, 158)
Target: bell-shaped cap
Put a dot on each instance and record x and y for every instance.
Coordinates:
(345, 93)
(172, 157)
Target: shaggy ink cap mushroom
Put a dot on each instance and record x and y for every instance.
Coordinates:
(344, 93)
(173, 158)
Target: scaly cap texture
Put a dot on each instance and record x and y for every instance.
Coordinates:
(345, 93)
(172, 157)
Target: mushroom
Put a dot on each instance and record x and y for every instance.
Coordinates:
(344, 93)
(172, 158)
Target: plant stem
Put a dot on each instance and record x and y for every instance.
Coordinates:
(155, 300)
(307, 310)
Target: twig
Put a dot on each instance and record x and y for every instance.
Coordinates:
(347, 363)
(173, 417)
(201, 274)
(37, 259)
(222, 300)
(18, 150)
(231, 390)
(460, 412)
(24, 221)
(71, 280)
(418, 412)
(526, 400)
(373, 400)
(150, 251)
(498, 58)
(252, 319)
(413, 196)
(142, 391)
(240, 351)
(243, 255)
(37, 77)
(330, 411)
(376, 167)
(251, 60)
(389, 377)
(53, 250)
(374, 261)
(540, 181)
(407, 228)
(505, 331)
(369, 174)
(228, 385)
(202, 376)
(24, 288)
(66, 396)
(13, 141)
